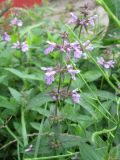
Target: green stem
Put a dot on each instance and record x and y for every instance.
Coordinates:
(69, 85)
(80, 31)
(24, 131)
(101, 2)
(81, 76)
(39, 136)
(18, 151)
(53, 157)
(94, 135)
(94, 61)
(101, 85)
(11, 133)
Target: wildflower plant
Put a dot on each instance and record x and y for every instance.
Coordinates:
(59, 94)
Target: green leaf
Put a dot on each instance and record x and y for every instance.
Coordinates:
(39, 100)
(4, 103)
(68, 112)
(115, 152)
(92, 75)
(89, 152)
(29, 28)
(102, 94)
(24, 75)
(17, 95)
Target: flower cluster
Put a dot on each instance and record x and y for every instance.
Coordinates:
(70, 48)
(106, 64)
(64, 93)
(82, 22)
(21, 46)
(6, 37)
(72, 71)
(16, 22)
(51, 72)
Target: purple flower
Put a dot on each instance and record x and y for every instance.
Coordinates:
(111, 63)
(16, 45)
(73, 18)
(54, 98)
(72, 72)
(82, 22)
(49, 75)
(50, 48)
(105, 64)
(21, 46)
(92, 19)
(88, 45)
(78, 53)
(19, 23)
(24, 47)
(16, 22)
(75, 97)
(6, 37)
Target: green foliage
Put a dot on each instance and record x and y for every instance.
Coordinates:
(33, 126)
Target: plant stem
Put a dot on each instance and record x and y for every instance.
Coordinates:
(11, 133)
(24, 131)
(80, 31)
(101, 85)
(53, 157)
(18, 151)
(39, 136)
(56, 124)
(69, 85)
